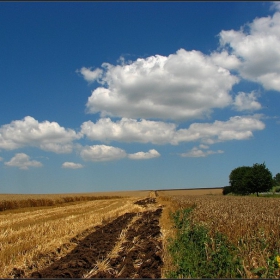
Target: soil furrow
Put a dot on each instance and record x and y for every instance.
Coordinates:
(128, 247)
(88, 251)
(141, 257)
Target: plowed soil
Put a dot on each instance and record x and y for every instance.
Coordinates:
(137, 238)
(145, 202)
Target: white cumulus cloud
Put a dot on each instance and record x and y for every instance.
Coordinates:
(196, 152)
(225, 60)
(236, 128)
(156, 132)
(71, 165)
(142, 155)
(23, 161)
(184, 85)
(101, 153)
(48, 136)
(257, 45)
(246, 101)
(110, 153)
(89, 75)
(129, 130)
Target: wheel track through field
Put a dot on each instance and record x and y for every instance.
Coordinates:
(104, 265)
(142, 256)
(128, 247)
(87, 252)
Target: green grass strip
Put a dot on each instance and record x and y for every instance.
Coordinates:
(196, 254)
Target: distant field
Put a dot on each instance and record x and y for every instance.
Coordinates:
(214, 191)
(57, 196)
(138, 193)
(16, 201)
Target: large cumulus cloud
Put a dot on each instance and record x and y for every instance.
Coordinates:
(129, 130)
(157, 132)
(48, 136)
(181, 86)
(257, 46)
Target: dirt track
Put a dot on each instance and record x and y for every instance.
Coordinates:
(128, 247)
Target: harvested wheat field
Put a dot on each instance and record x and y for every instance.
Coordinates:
(126, 234)
(112, 237)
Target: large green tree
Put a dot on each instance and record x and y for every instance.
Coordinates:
(276, 179)
(260, 179)
(238, 180)
(245, 179)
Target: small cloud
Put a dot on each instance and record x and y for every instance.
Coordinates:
(89, 75)
(196, 152)
(142, 155)
(101, 153)
(71, 165)
(1, 158)
(246, 101)
(225, 60)
(202, 146)
(22, 161)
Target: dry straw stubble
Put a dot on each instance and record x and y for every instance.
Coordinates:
(34, 239)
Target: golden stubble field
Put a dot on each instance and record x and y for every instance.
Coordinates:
(33, 238)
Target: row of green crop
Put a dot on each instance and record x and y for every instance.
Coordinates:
(197, 254)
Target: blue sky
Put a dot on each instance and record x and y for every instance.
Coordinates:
(107, 96)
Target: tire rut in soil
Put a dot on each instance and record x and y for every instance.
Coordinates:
(88, 251)
(145, 202)
(141, 257)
